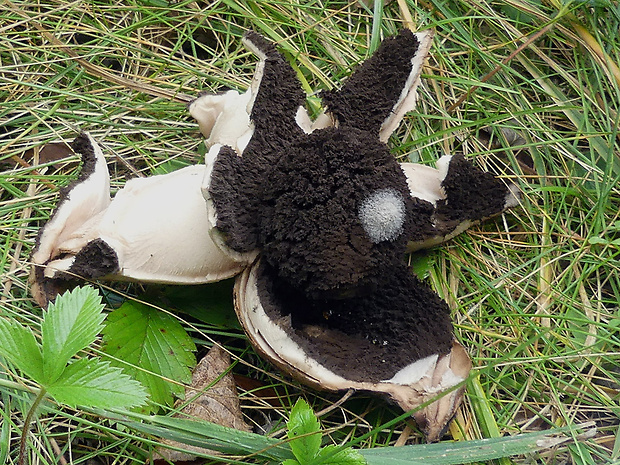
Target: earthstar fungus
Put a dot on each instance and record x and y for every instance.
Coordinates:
(330, 214)
(316, 216)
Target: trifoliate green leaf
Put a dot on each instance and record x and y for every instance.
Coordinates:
(330, 455)
(95, 383)
(70, 324)
(304, 432)
(148, 340)
(19, 346)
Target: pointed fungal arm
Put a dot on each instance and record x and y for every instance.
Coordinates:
(379, 93)
(276, 93)
(461, 194)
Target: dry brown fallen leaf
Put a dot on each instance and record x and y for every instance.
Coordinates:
(217, 404)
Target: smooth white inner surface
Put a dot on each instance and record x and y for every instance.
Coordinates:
(415, 371)
(85, 201)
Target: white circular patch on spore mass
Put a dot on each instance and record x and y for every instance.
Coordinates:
(382, 214)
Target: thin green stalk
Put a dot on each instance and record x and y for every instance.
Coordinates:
(377, 18)
(21, 460)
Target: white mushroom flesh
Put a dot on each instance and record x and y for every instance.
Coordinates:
(157, 226)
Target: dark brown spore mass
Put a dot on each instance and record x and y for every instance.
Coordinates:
(95, 260)
(369, 338)
(81, 145)
(296, 197)
(236, 183)
(471, 193)
(370, 93)
(310, 230)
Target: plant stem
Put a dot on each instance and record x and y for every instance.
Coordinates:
(21, 460)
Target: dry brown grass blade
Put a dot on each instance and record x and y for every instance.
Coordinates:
(99, 71)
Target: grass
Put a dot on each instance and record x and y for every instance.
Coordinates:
(534, 293)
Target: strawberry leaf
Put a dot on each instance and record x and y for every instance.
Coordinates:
(95, 383)
(330, 455)
(70, 324)
(304, 432)
(19, 346)
(151, 347)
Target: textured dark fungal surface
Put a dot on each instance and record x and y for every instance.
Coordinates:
(82, 146)
(368, 338)
(369, 94)
(297, 197)
(310, 230)
(331, 214)
(95, 260)
(471, 193)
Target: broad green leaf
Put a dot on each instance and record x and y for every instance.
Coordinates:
(330, 455)
(70, 324)
(304, 432)
(211, 303)
(18, 345)
(95, 383)
(149, 341)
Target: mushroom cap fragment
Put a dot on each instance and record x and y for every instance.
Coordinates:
(412, 381)
(155, 229)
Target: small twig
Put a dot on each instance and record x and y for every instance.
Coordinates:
(61, 459)
(505, 61)
(406, 14)
(336, 404)
(404, 436)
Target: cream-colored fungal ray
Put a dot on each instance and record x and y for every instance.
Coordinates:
(424, 182)
(224, 118)
(156, 228)
(412, 385)
(85, 200)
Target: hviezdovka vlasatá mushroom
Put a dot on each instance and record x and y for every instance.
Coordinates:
(330, 214)
(318, 215)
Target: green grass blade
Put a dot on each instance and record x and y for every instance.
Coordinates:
(210, 435)
(463, 452)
